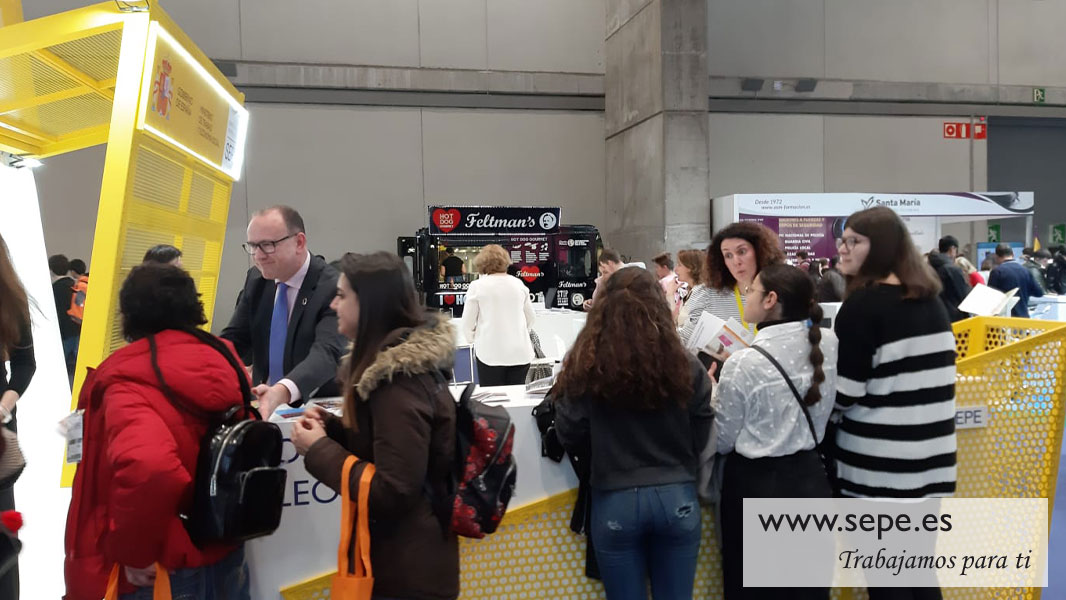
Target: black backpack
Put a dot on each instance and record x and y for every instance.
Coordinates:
(239, 487)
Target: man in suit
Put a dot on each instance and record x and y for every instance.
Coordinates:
(283, 322)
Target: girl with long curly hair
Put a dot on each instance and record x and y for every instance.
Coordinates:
(632, 399)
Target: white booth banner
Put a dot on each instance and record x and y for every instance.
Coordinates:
(974, 204)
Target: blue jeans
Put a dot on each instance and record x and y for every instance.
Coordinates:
(225, 580)
(652, 530)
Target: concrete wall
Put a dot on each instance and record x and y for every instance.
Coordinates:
(814, 153)
(362, 176)
(1010, 42)
(509, 35)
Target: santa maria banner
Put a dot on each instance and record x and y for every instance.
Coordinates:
(963, 204)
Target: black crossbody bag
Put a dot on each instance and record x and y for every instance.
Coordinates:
(824, 449)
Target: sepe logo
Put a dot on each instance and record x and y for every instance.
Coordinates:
(163, 91)
(547, 221)
(867, 203)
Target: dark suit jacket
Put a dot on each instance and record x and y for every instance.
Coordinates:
(313, 347)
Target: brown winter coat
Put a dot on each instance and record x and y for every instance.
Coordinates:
(406, 427)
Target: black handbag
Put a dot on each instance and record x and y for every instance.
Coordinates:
(824, 449)
(240, 487)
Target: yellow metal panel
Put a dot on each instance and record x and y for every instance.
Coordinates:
(98, 329)
(92, 136)
(13, 145)
(61, 28)
(10, 12)
(23, 103)
(58, 119)
(96, 56)
(71, 71)
(52, 95)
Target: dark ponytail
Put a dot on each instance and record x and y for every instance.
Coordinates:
(814, 394)
(795, 293)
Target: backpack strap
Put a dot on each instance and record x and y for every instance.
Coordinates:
(212, 341)
(795, 392)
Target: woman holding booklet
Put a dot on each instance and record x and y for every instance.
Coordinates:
(736, 255)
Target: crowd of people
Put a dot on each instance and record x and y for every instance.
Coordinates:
(878, 387)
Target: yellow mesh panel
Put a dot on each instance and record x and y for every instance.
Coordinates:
(159, 177)
(25, 76)
(66, 116)
(201, 196)
(58, 98)
(153, 215)
(1014, 367)
(96, 56)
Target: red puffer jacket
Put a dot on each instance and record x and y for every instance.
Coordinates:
(139, 461)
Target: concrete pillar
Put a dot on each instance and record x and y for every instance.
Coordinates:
(656, 89)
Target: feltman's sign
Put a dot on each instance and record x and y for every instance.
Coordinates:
(471, 220)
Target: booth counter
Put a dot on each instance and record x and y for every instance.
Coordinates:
(305, 545)
(1009, 428)
(1049, 307)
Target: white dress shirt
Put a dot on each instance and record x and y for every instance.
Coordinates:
(294, 283)
(755, 412)
(497, 317)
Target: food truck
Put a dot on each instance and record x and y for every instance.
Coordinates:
(556, 262)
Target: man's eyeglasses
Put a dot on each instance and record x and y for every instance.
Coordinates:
(266, 247)
(850, 242)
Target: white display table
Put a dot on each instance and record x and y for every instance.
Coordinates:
(305, 545)
(557, 329)
(1048, 308)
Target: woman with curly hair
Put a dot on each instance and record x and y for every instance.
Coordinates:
(643, 423)
(147, 408)
(736, 255)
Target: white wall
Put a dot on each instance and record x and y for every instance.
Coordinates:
(1010, 42)
(814, 153)
(46, 401)
(509, 35)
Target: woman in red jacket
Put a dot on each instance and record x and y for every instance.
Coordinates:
(140, 450)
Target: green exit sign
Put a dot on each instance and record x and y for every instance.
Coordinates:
(1058, 233)
(994, 234)
(1039, 95)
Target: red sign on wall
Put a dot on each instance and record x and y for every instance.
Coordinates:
(961, 131)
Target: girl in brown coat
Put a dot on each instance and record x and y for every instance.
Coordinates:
(398, 415)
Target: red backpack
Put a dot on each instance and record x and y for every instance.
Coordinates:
(485, 470)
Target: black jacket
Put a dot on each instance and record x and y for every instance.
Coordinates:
(313, 346)
(631, 448)
(23, 365)
(954, 283)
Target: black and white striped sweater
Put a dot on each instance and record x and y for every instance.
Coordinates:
(896, 388)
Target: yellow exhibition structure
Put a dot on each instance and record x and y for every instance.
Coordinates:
(123, 74)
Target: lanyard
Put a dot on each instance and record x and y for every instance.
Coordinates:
(740, 307)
